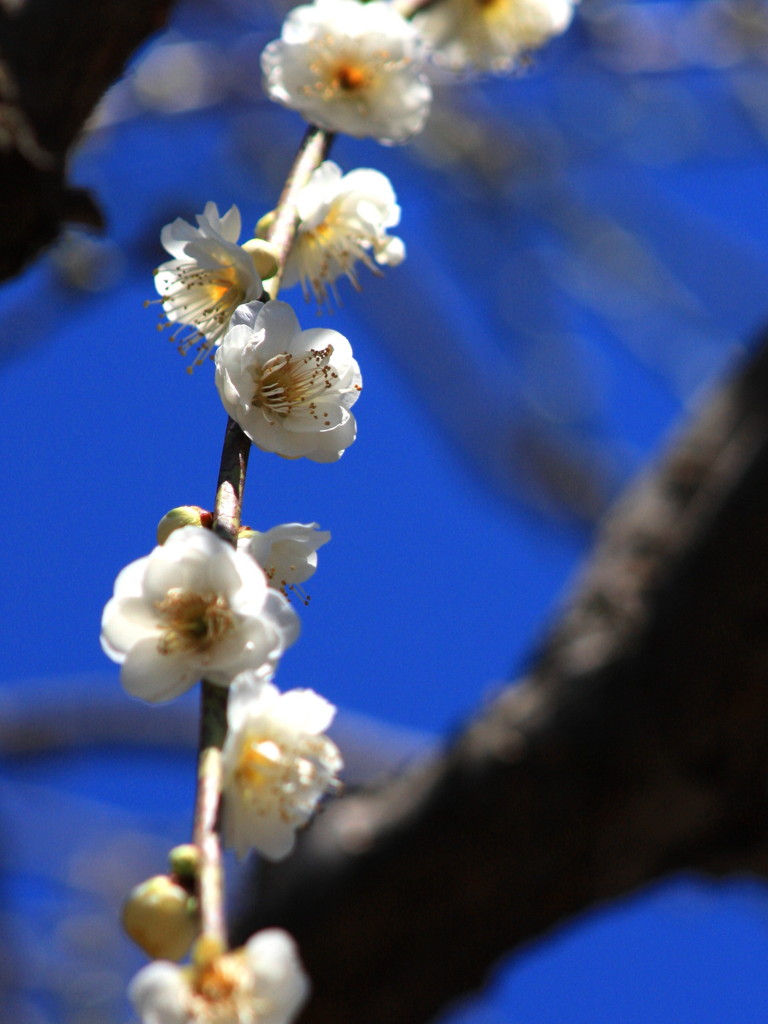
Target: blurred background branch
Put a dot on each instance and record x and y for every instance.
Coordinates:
(57, 59)
(636, 746)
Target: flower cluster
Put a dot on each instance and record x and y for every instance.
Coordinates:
(289, 390)
(194, 607)
(490, 35)
(343, 219)
(277, 765)
(287, 553)
(199, 607)
(350, 67)
(261, 983)
(209, 276)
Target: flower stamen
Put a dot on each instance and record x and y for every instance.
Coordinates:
(286, 382)
(191, 621)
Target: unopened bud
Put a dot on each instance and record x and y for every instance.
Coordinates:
(161, 917)
(184, 515)
(207, 949)
(245, 533)
(262, 228)
(185, 863)
(265, 257)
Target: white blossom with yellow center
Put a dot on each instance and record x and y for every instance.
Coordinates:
(350, 67)
(193, 608)
(276, 764)
(260, 983)
(343, 220)
(290, 390)
(287, 553)
(209, 277)
(490, 35)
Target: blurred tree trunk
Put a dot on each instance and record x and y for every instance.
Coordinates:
(57, 58)
(637, 746)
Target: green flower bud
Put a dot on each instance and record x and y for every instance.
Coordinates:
(162, 918)
(185, 863)
(262, 228)
(184, 515)
(264, 256)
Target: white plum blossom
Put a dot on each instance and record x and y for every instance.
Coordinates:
(289, 390)
(276, 764)
(490, 35)
(287, 553)
(350, 67)
(193, 608)
(209, 276)
(342, 219)
(261, 983)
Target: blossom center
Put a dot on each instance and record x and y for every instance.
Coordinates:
(350, 77)
(259, 767)
(287, 382)
(218, 993)
(192, 622)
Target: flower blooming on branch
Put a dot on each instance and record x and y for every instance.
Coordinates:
(350, 67)
(195, 607)
(276, 764)
(342, 219)
(289, 390)
(286, 553)
(260, 983)
(490, 35)
(209, 277)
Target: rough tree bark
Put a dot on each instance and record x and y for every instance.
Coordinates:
(57, 58)
(637, 746)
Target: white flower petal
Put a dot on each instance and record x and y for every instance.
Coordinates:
(337, 60)
(276, 765)
(155, 677)
(204, 610)
(159, 993)
(306, 711)
(125, 622)
(273, 958)
(277, 381)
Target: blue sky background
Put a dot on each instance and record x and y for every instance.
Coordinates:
(587, 250)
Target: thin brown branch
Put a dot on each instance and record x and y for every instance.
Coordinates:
(637, 746)
(282, 231)
(57, 59)
(227, 510)
(210, 877)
